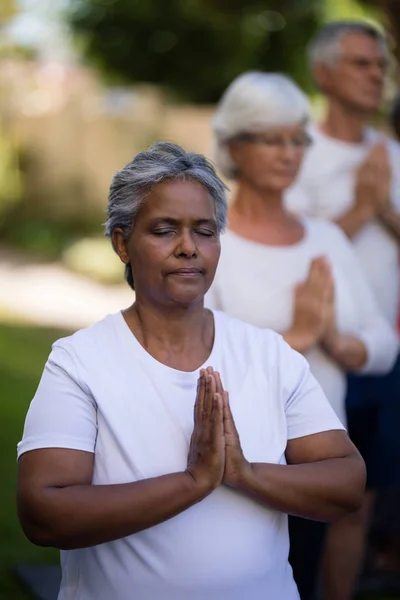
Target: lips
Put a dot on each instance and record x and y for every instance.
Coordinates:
(186, 272)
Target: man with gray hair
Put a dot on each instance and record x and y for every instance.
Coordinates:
(351, 175)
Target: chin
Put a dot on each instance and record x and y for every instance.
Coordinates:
(281, 185)
(186, 297)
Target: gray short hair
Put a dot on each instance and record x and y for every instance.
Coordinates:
(251, 101)
(163, 161)
(325, 47)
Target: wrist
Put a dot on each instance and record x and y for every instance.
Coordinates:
(331, 342)
(301, 341)
(199, 486)
(245, 481)
(365, 212)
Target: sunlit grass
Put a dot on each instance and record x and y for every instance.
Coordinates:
(23, 352)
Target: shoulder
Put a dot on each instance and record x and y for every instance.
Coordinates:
(88, 341)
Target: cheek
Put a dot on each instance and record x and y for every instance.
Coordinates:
(147, 256)
(211, 253)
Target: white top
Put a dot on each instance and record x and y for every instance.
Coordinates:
(255, 282)
(325, 189)
(102, 392)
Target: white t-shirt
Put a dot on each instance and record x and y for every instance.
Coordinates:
(325, 189)
(255, 282)
(102, 392)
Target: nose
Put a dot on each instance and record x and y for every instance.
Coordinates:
(289, 152)
(186, 246)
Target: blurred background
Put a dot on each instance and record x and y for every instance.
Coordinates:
(84, 85)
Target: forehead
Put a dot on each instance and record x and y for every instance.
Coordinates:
(361, 44)
(296, 129)
(180, 200)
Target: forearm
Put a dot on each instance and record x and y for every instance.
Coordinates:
(391, 220)
(301, 342)
(354, 219)
(322, 491)
(87, 515)
(348, 351)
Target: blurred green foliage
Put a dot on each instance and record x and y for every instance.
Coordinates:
(194, 47)
(23, 352)
(10, 175)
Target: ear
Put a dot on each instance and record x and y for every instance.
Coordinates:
(322, 76)
(120, 245)
(233, 148)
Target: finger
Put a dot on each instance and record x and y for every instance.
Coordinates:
(217, 417)
(220, 387)
(319, 270)
(229, 422)
(210, 391)
(200, 398)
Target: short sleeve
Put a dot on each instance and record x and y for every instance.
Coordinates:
(306, 406)
(62, 413)
(373, 329)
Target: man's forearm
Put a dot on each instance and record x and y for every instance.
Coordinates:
(352, 221)
(87, 515)
(323, 491)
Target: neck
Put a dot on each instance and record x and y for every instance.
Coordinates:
(343, 124)
(171, 332)
(254, 205)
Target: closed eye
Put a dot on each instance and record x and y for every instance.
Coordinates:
(206, 232)
(163, 232)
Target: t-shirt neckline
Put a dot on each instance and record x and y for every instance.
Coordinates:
(133, 343)
(289, 248)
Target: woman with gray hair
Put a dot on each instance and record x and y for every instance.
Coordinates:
(294, 275)
(135, 462)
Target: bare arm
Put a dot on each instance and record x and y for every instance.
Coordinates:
(59, 507)
(352, 221)
(323, 480)
(301, 342)
(347, 350)
(372, 345)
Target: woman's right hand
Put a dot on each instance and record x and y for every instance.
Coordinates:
(206, 458)
(311, 304)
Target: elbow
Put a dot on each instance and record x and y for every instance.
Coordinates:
(46, 538)
(353, 488)
(41, 531)
(37, 535)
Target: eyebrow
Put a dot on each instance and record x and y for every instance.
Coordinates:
(172, 221)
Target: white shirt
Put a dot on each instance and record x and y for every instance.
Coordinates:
(102, 392)
(255, 282)
(326, 189)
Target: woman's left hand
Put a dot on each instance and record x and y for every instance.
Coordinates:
(237, 468)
